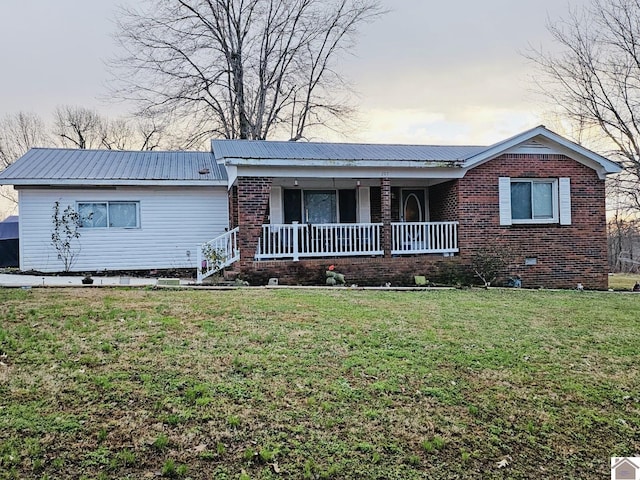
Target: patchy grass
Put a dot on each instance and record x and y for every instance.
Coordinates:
(266, 384)
(623, 281)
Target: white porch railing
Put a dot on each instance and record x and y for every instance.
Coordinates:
(319, 240)
(297, 241)
(218, 253)
(424, 237)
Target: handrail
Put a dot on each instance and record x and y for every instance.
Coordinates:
(217, 254)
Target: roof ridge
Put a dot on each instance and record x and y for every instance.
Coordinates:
(67, 149)
(366, 144)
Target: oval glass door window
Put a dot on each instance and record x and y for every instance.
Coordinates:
(412, 208)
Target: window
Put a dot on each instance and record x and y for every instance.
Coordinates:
(319, 206)
(534, 200)
(109, 214)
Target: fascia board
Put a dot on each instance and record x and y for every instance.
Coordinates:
(133, 183)
(321, 163)
(380, 172)
(590, 161)
(608, 165)
(602, 165)
(500, 147)
(232, 175)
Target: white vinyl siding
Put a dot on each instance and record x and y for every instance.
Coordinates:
(172, 222)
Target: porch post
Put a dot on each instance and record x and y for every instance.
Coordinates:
(296, 248)
(253, 206)
(385, 203)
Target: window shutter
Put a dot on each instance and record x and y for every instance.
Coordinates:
(565, 201)
(504, 193)
(364, 205)
(275, 205)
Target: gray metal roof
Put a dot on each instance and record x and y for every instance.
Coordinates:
(306, 151)
(300, 154)
(47, 166)
(40, 166)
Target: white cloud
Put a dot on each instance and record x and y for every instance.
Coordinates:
(473, 125)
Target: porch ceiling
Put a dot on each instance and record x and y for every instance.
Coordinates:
(319, 183)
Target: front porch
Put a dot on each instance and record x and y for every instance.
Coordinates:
(289, 223)
(302, 217)
(296, 241)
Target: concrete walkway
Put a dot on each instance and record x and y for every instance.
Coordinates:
(19, 280)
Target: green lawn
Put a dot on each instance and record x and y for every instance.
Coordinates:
(271, 384)
(623, 281)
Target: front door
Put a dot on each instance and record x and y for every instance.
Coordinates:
(413, 208)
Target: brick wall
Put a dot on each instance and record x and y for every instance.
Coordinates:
(565, 255)
(363, 271)
(375, 200)
(396, 198)
(443, 202)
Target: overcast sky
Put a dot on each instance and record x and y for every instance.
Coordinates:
(426, 72)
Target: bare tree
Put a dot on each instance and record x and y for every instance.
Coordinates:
(595, 81)
(18, 133)
(624, 243)
(239, 68)
(148, 133)
(116, 134)
(152, 133)
(78, 127)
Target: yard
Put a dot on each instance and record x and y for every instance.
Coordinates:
(623, 281)
(284, 383)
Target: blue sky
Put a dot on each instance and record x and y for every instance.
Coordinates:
(426, 72)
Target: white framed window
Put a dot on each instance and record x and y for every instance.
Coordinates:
(534, 200)
(289, 205)
(116, 214)
(314, 206)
